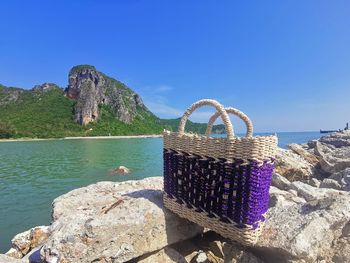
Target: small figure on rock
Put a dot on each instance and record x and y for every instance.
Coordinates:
(121, 170)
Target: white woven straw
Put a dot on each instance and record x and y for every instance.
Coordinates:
(245, 236)
(236, 112)
(207, 102)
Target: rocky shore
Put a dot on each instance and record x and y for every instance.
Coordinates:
(308, 219)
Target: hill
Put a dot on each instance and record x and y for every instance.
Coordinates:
(173, 124)
(28, 113)
(93, 104)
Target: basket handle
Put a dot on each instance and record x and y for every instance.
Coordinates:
(236, 112)
(207, 102)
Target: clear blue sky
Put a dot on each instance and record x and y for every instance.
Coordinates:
(285, 63)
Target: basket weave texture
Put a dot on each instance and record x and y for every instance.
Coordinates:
(219, 183)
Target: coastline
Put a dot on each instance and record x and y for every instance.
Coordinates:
(81, 137)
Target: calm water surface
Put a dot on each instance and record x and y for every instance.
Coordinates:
(33, 173)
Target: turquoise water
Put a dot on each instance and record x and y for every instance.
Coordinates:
(33, 173)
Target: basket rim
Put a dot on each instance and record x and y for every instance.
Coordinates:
(236, 138)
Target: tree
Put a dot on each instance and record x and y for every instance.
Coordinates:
(6, 131)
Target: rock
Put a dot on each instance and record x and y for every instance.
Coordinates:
(334, 152)
(190, 248)
(342, 250)
(314, 182)
(91, 88)
(201, 258)
(309, 157)
(280, 182)
(122, 170)
(166, 255)
(330, 183)
(343, 178)
(22, 243)
(311, 144)
(292, 166)
(306, 231)
(337, 139)
(236, 254)
(49, 255)
(9, 95)
(328, 155)
(216, 247)
(46, 87)
(114, 222)
(293, 192)
(7, 259)
(310, 193)
(38, 235)
(213, 248)
(14, 253)
(286, 198)
(34, 256)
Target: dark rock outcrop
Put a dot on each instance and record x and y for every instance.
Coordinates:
(92, 89)
(46, 87)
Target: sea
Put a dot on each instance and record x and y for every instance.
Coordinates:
(34, 173)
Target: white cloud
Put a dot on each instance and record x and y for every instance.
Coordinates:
(201, 116)
(156, 89)
(156, 99)
(162, 110)
(163, 88)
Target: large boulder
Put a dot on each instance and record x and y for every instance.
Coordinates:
(333, 152)
(343, 178)
(113, 222)
(304, 153)
(280, 182)
(24, 242)
(292, 166)
(309, 227)
(330, 183)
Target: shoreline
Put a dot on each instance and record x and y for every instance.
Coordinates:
(86, 137)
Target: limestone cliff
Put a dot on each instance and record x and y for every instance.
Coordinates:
(91, 89)
(9, 95)
(46, 87)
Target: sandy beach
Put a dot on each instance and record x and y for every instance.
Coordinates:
(87, 137)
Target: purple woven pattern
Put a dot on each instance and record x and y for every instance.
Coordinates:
(234, 192)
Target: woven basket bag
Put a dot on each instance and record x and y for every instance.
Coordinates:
(219, 183)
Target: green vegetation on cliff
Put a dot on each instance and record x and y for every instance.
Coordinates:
(25, 113)
(173, 124)
(108, 125)
(50, 115)
(38, 115)
(79, 68)
(92, 105)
